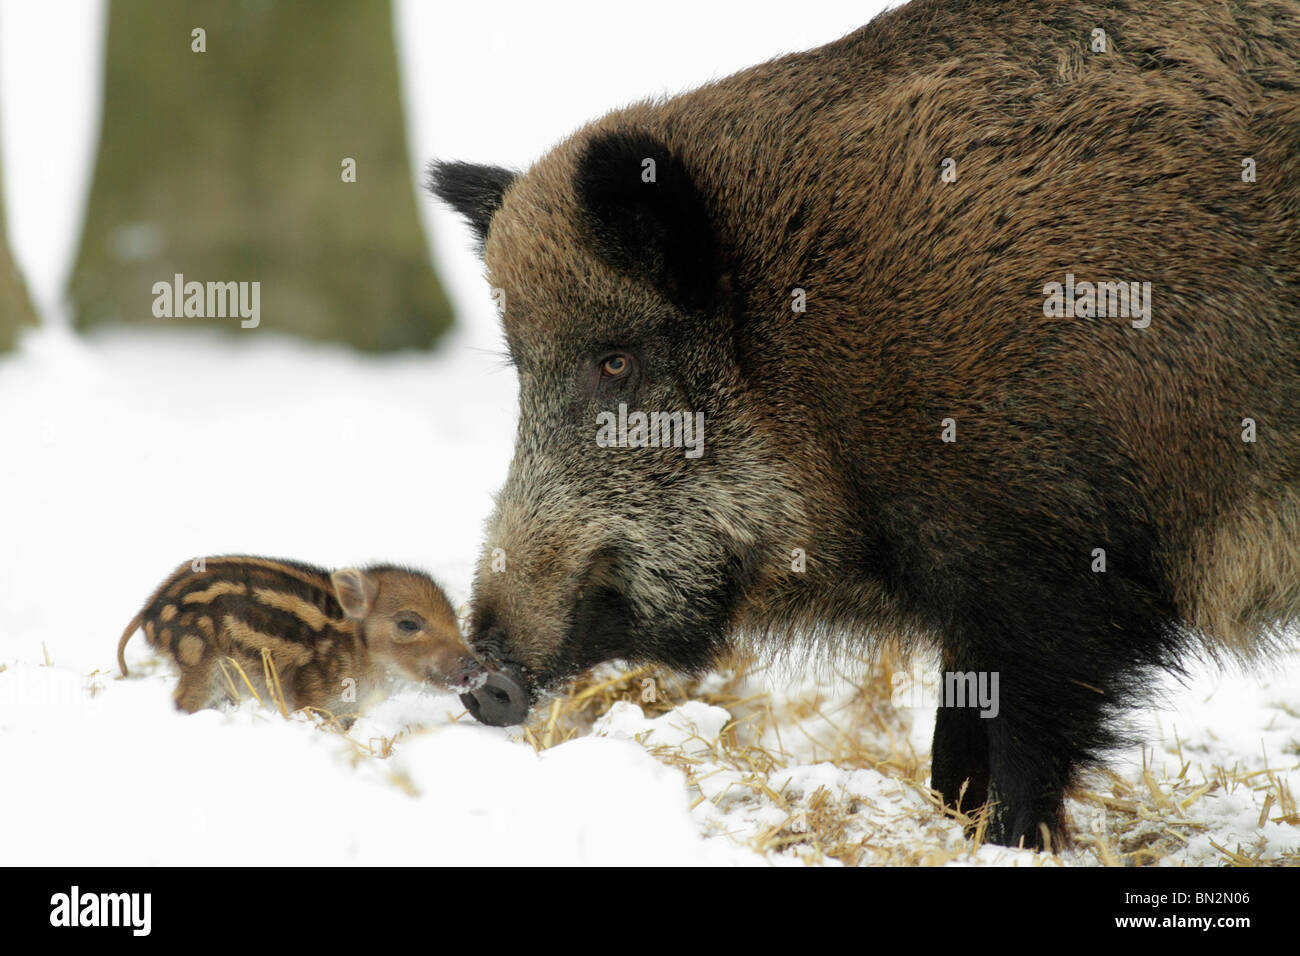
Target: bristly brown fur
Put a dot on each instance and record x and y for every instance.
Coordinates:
(822, 172)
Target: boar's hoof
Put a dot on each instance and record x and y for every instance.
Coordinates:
(499, 702)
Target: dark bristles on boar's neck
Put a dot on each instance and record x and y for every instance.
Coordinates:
(272, 603)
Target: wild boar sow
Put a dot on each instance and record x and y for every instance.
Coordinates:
(979, 327)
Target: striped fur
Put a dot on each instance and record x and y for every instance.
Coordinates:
(329, 657)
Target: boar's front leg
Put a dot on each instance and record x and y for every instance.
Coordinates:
(1039, 658)
(1015, 728)
(997, 739)
(959, 767)
(1032, 760)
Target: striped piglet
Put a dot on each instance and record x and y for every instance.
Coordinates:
(333, 638)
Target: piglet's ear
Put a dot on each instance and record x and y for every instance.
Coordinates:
(472, 190)
(355, 590)
(647, 216)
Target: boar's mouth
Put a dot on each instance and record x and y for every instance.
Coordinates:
(497, 691)
(601, 626)
(502, 694)
(604, 626)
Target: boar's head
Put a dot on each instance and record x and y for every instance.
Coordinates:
(618, 297)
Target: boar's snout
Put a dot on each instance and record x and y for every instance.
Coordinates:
(500, 700)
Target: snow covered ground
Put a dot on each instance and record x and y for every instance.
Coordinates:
(123, 453)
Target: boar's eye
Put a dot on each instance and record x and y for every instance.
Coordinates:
(616, 366)
(408, 625)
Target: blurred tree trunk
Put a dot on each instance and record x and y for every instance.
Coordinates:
(227, 166)
(15, 308)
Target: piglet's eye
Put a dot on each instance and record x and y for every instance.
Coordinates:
(407, 626)
(616, 366)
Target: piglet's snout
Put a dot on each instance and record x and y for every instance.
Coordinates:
(468, 675)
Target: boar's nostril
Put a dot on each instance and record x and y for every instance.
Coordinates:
(499, 702)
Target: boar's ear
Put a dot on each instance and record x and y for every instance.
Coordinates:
(355, 590)
(472, 190)
(647, 216)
